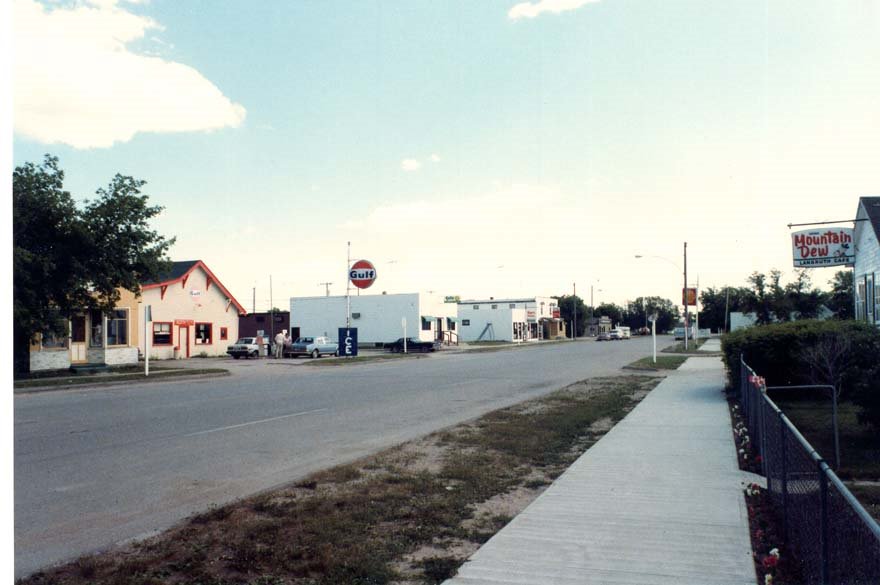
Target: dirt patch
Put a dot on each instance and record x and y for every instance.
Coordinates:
(410, 514)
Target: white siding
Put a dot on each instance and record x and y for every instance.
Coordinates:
(210, 305)
(378, 316)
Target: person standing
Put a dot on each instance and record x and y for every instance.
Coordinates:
(279, 345)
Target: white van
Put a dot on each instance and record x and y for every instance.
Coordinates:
(620, 333)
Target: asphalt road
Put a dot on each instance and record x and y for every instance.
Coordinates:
(95, 467)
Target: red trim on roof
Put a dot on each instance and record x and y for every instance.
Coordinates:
(211, 278)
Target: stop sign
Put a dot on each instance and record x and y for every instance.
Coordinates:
(362, 273)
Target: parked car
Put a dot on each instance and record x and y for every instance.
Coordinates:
(247, 347)
(679, 333)
(314, 347)
(412, 345)
(603, 336)
(619, 333)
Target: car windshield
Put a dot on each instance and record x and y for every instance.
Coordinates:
(246, 340)
(304, 340)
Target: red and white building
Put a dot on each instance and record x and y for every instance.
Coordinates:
(193, 313)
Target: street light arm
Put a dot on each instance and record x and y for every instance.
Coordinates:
(661, 258)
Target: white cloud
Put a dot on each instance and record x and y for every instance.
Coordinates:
(76, 82)
(533, 9)
(410, 164)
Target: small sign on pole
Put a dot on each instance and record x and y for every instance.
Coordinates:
(348, 341)
(148, 318)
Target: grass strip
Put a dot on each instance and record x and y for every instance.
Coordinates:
(343, 361)
(411, 514)
(98, 379)
(693, 347)
(664, 362)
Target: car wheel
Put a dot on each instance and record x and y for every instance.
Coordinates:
(235, 357)
(255, 354)
(336, 353)
(395, 349)
(315, 354)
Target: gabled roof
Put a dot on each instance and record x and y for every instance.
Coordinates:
(181, 270)
(872, 208)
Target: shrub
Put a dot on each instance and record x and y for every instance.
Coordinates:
(843, 353)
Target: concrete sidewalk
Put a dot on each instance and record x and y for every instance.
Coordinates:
(659, 500)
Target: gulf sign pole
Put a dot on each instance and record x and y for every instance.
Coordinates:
(361, 274)
(686, 299)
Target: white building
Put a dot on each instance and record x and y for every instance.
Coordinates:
(866, 271)
(193, 313)
(520, 319)
(378, 318)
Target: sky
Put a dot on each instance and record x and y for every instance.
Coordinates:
(492, 148)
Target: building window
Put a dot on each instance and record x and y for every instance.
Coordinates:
(494, 306)
(117, 327)
(860, 298)
(465, 322)
(224, 333)
(876, 296)
(511, 306)
(426, 325)
(55, 337)
(161, 333)
(476, 307)
(96, 335)
(203, 334)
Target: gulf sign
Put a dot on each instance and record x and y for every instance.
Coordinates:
(820, 248)
(362, 274)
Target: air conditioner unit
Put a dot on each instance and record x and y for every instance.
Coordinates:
(355, 315)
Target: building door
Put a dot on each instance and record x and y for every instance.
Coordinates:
(183, 339)
(78, 353)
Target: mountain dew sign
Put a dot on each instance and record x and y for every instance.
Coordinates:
(820, 248)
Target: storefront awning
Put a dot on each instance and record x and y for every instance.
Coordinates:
(427, 318)
(452, 319)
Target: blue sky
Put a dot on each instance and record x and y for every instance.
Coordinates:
(490, 148)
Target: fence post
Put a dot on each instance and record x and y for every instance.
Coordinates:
(762, 445)
(823, 519)
(784, 475)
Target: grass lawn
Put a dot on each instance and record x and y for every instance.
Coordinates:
(664, 362)
(859, 444)
(410, 514)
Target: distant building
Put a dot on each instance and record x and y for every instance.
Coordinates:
(866, 272)
(378, 318)
(518, 319)
(266, 324)
(598, 325)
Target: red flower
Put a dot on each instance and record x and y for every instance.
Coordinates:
(770, 561)
(758, 459)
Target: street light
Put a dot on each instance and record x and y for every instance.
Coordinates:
(684, 290)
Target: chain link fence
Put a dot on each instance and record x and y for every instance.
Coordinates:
(835, 539)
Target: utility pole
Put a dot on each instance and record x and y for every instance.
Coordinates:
(685, 294)
(326, 285)
(574, 312)
(254, 301)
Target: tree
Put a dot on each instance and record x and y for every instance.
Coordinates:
(66, 259)
(717, 304)
(667, 313)
(840, 300)
(568, 304)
